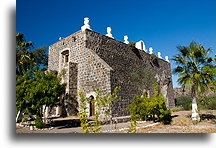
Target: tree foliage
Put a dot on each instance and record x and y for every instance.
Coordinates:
(34, 86)
(143, 77)
(43, 89)
(28, 59)
(208, 103)
(184, 102)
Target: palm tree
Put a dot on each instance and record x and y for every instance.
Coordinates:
(195, 71)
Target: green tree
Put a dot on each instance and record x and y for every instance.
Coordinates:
(195, 71)
(143, 78)
(184, 102)
(28, 59)
(34, 86)
(43, 89)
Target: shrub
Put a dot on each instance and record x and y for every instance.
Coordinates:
(207, 103)
(148, 108)
(39, 123)
(132, 43)
(185, 102)
(101, 101)
(203, 102)
(177, 108)
(165, 116)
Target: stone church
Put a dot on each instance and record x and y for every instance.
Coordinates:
(92, 60)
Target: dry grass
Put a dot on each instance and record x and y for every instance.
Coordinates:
(183, 124)
(182, 121)
(188, 127)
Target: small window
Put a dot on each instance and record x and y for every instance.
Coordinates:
(66, 58)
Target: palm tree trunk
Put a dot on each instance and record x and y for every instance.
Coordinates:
(195, 115)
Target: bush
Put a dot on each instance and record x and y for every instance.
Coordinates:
(203, 102)
(150, 108)
(165, 116)
(132, 43)
(207, 103)
(185, 102)
(177, 108)
(39, 122)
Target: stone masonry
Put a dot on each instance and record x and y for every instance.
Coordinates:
(91, 60)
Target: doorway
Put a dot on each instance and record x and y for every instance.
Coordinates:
(91, 106)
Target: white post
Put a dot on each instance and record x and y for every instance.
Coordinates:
(18, 115)
(126, 39)
(57, 110)
(109, 34)
(150, 50)
(86, 24)
(159, 55)
(167, 58)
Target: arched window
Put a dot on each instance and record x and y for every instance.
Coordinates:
(65, 55)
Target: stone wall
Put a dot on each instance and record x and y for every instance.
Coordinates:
(124, 59)
(98, 61)
(86, 71)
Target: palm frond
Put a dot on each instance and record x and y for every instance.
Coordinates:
(178, 69)
(195, 67)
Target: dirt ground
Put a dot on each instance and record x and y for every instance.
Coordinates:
(181, 123)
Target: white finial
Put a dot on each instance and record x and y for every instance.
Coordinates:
(150, 50)
(166, 58)
(86, 24)
(60, 38)
(159, 55)
(126, 39)
(109, 34)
